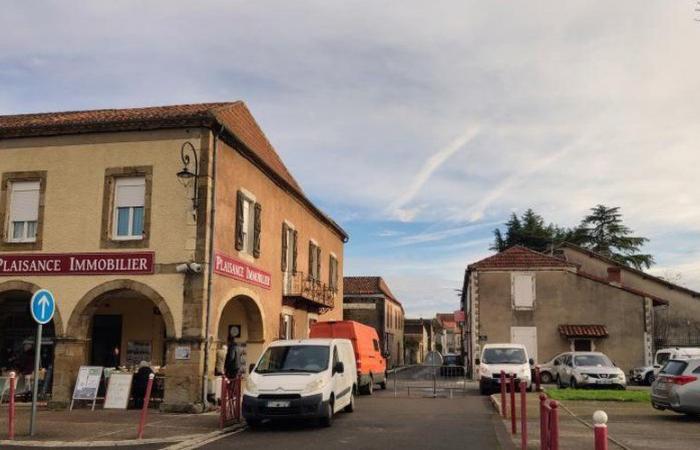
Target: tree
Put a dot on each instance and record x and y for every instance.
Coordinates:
(530, 230)
(603, 232)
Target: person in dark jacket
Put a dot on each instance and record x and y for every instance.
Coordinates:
(138, 387)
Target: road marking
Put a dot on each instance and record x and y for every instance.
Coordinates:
(204, 440)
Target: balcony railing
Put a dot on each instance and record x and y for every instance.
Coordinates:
(300, 286)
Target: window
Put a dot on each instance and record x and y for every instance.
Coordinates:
(248, 225)
(289, 249)
(376, 345)
(523, 290)
(314, 261)
(23, 211)
(333, 273)
(583, 345)
(129, 201)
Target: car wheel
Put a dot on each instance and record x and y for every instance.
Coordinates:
(327, 419)
(545, 377)
(351, 406)
(649, 378)
(560, 384)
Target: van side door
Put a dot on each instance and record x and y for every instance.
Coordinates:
(337, 379)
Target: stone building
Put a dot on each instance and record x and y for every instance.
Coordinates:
(416, 333)
(368, 300)
(452, 332)
(552, 304)
(162, 232)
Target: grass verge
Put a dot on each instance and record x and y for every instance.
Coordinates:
(599, 395)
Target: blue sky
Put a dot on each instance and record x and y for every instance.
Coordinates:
(417, 125)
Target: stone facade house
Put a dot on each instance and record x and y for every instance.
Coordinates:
(552, 304)
(164, 234)
(368, 300)
(452, 332)
(416, 340)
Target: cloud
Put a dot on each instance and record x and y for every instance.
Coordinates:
(432, 164)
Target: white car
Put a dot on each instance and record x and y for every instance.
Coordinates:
(588, 369)
(647, 374)
(509, 358)
(308, 378)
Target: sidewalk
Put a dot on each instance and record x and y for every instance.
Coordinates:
(631, 425)
(83, 427)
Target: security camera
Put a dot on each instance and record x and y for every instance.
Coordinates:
(195, 267)
(182, 268)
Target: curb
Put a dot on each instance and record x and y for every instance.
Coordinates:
(177, 441)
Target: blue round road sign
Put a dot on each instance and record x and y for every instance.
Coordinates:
(42, 306)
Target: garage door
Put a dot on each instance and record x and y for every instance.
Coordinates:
(526, 336)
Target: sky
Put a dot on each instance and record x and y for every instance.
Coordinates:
(419, 126)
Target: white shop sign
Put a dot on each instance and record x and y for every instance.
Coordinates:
(118, 391)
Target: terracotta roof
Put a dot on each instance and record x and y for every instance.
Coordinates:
(585, 331)
(519, 257)
(234, 117)
(367, 286)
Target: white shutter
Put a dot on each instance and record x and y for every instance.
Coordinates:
(130, 192)
(24, 202)
(526, 336)
(523, 291)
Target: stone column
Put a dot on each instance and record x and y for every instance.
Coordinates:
(183, 377)
(69, 355)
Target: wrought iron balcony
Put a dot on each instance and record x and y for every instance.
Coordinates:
(301, 287)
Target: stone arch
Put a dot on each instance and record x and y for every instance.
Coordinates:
(79, 323)
(24, 286)
(255, 314)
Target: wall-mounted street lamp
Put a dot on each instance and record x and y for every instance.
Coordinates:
(185, 176)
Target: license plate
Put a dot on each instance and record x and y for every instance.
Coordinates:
(604, 381)
(278, 404)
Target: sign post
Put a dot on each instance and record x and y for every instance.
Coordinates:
(42, 307)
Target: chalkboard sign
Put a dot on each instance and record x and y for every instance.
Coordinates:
(87, 384)
(118, 391)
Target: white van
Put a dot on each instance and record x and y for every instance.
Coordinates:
(510, 358)
(308, 378)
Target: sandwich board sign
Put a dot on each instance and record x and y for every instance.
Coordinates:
(87, 384)
(118, 391)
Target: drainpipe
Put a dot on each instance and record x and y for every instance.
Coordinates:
(210, 271)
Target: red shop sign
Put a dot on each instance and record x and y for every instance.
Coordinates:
(238, 270)
(139, 263)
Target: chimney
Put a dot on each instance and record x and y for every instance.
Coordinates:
(614, 275)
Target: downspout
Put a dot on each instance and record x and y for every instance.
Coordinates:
(210, 271)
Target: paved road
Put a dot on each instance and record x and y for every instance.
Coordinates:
(384, 422)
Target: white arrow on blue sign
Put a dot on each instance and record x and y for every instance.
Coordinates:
(43, 306)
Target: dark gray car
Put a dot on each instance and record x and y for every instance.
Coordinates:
(677, 386)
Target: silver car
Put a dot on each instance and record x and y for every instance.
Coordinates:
(677, 387)
(588, 369)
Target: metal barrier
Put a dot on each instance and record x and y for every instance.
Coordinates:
(549, 424)
(230, 401)
(429, 381)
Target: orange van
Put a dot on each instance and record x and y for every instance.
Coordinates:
(371, 364)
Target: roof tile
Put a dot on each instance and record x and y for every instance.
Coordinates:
(519, 257)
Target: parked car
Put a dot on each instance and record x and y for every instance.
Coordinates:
(548, 371)
(452, 365)
(308, 378)
(588, 369)
(510, 358)
(646, 374)
(371, 362)
(677, 386)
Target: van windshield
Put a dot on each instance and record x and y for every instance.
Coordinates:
(504, 356)
(294, 358)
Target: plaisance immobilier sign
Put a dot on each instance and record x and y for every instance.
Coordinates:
(232, 268)
(134, 263)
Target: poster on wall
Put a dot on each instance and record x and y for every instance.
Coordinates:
(137, 351)
(87, 384)
(118, 391)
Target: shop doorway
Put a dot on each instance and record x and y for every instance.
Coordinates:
(17, 342)
(106, 340)
(240, 325)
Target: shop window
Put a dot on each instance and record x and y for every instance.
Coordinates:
(129, 206)
(23, 211)
(248, 224)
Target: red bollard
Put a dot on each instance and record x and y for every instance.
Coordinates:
(503, 394)
(543, 422)
(600, 430)
(523, 416)
(554, 427)
(223, 401)
(11, 415)
(513, 425)
(144, 410)
(538, 379)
